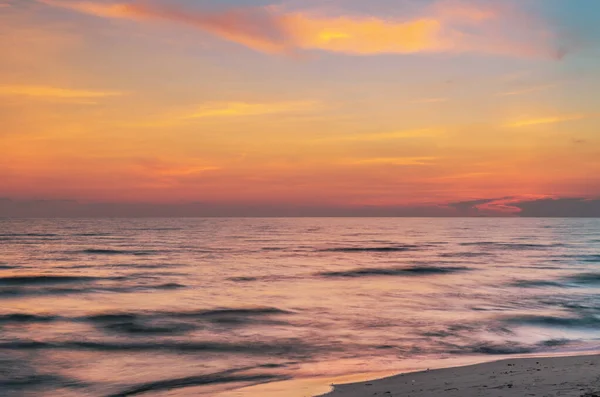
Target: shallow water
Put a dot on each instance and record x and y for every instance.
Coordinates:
(184, 307)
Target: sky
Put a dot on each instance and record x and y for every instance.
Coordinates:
(299, 107)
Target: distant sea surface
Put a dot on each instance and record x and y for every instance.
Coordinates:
(186, 307)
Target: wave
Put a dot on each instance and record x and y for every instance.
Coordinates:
(231, 376)
(589, 258)
(395, 248)
(511, 246)
(402, 271)
(536, 283)
(144, 265)
(43, 279)
(157, 229)
(112, 317)
(245, 279)
(37, 381)
(138, 328)
(579, 258)
(267, 311)
(29, 235)
(289, 347)
(23, 318)
(490, 348)
(501, 348)
(168, 286)
(234, 317)
(218, 313)
(554, 342)
(26, 290)
(154, 274)
(152, 323)
(101, 251)
(555, 321)
(7, 267)
(171, 322)
(584, 278)
(244, 312)
(465, 254)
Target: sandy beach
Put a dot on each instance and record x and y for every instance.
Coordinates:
(544, 377)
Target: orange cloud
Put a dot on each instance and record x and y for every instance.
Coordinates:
(225, 110)
(353, 35)
(546, 120)
(446, 27)
(52, 92)
(234, 109)
(384, 136)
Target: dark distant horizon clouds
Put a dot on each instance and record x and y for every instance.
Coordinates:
(501, 207)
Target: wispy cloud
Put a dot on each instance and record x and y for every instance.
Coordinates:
(162, 168)
(430, 100)
(528, 90)
(448, 26)
(224, 111)
(467, 175)
(393, 161)
(546, 120)
(238, 109)
(37, 91)
(384, 136)
(258, 28)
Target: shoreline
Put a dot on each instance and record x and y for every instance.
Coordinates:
(474, 376)
(558, 375)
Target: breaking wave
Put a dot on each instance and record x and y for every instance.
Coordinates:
(231, 376)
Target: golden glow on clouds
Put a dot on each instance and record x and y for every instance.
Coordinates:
(364, 35)
(275, 31)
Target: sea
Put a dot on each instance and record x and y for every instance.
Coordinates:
(283, 306)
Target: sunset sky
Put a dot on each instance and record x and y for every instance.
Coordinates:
(300, 103)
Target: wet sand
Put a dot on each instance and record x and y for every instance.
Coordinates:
(577, 376)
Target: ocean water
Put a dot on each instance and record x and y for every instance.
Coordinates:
(188, 307)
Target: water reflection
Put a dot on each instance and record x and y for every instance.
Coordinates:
(190, 306)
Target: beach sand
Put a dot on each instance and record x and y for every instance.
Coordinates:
(543, 377)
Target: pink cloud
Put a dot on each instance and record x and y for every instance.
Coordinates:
(449, 26)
